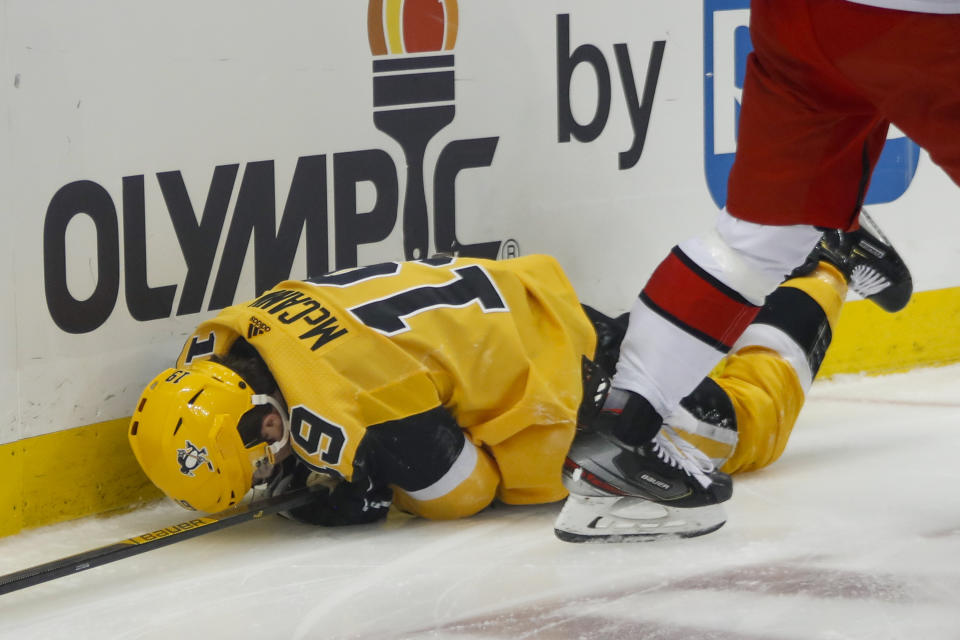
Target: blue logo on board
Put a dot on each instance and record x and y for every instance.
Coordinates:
(726, 43)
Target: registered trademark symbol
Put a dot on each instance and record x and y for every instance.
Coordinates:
(509, 249)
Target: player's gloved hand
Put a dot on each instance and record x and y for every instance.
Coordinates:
(337, 503)
(348, 503)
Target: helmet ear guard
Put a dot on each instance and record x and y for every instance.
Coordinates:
(184, 435)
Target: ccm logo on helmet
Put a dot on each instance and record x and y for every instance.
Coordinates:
(191, 458)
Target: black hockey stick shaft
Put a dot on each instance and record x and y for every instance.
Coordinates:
(153, 540)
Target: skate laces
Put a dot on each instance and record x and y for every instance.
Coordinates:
(680, 454)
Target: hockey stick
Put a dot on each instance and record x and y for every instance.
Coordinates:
(153, 540)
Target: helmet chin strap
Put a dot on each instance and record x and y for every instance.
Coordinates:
(274, 448)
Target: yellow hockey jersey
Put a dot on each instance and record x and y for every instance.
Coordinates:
(498, 343)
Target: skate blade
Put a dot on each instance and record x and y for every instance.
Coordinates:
(627, 519)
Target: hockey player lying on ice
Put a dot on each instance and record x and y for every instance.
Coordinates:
(442, 385)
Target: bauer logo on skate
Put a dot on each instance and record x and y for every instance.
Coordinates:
(412, 44)
(655, 481)
(725, 48)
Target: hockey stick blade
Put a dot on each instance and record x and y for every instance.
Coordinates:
(153, 540)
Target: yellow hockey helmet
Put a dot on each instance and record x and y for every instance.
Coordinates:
(184, 433)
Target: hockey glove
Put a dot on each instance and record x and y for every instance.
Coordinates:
(337, 503)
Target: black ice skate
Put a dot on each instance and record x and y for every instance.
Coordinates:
(869, 262)
(624, 491)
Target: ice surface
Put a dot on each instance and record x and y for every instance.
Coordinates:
(854, 533)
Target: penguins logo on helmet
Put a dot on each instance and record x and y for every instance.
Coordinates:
(192, 458)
